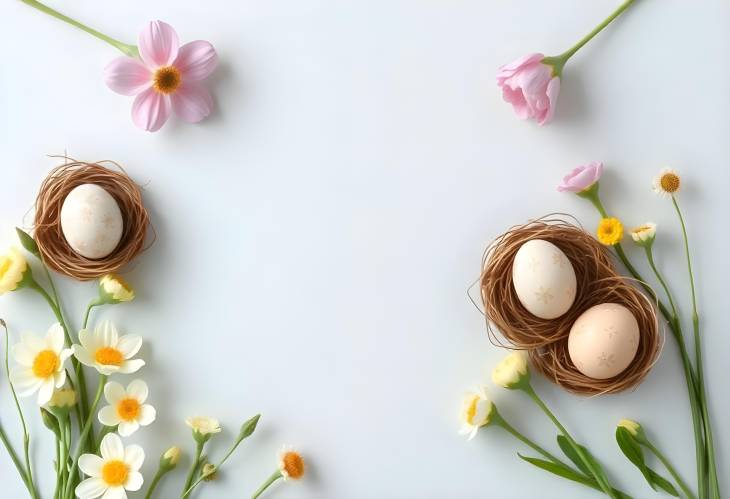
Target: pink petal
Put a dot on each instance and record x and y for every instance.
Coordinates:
(158, 44)
(553, 89)
(127, 76)
(511, 68)
(517, 99)
(150, 110)
(196, 60)
(192, 102)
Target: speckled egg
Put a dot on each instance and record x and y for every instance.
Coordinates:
(544, 279)
(604, 340)
(91, 221)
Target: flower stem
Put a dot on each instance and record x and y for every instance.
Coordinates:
(602, 482)
(193, 467)
(26, 436)
(155, 481)
(274, 477)
(711, 462)
(80, 445)
(670, 469)
(129, 50)
(500, 421)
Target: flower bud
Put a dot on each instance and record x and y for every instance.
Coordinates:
(248, 427)
(113, 289)
(170, 458)
(512, 372)
(644, 234)
(50, 421)
(633, 428)
(209, 472)
(477, 411)
(14, 271)
(62, 401)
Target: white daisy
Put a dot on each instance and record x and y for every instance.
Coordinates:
(107, 352)
(112, 474)
(667, 183)
(40, 364)
(127, 408)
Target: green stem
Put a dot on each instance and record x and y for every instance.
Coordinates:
(15, 459)
(196, 462)
(155, 481)
(217, 467)
(129, 50)
(59, 480)
(559, 61)
(91, 305)
(670, 469)
(712, 465)
(522, 438)
(26, 436)
(602, 482)
(274, 477)
(80, 445)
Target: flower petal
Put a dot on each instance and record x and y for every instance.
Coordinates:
(127, 76)
(115, 493)
(111, 447)
(150, 110)
(46, 391)
(83, 355)
(553, 89)
(24, 355)
(91, 464)
(196, 60)
(192, 102)
(126, 428)
(158, 44)
(114, 392)
(138, 389)
(108, 416)
(134, 482)
(90, 488)
(147, 415)
(55, 338)
(25, 382)
(107, 334)
(131, 366)
(87, 340)
(59, 379)
(129, 345)
(134, 456)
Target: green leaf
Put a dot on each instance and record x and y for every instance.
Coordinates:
(591, 460)
(28, 242)
(571, 453)
(559, 470)
(632, 450)
(663, 483)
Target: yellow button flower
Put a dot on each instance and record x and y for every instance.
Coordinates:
(13, 266)
(610, 231)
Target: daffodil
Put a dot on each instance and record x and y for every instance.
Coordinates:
(644, 235)
(108, 352)
(610, 231)
(127, 407)
(114, 289)
(113, 473)
(13, 267)
(203, 427)
(476, 411)
(41, 364)
(667, 183)
(512, 372)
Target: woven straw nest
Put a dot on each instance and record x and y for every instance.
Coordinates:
(54, 249)
(546, 340)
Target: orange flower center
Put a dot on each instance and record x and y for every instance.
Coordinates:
(670, 182)
(167, 79)
(128, 409)
(293, 465)
(109, 356)
(45, 363)
(115, 473)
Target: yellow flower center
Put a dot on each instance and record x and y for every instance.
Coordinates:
(4, 265)
(115, 473)
(471, 410)
(128, 409)
(45, 363)
(109, 356)
(293, 464)
(167, 79)
(670, 182)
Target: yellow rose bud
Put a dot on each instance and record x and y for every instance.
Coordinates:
(13, 267)
(512, 371)
(114, 289)
(476, 411)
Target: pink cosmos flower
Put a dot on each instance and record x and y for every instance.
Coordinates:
(531, 87)
(167, 79)
(582, 178)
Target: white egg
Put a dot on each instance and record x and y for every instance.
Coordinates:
(544, 279)
(604, 340)
(91, 221)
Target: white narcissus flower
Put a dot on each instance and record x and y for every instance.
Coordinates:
(127, 407)
(112, 474)
(108, 352)
(114, 289)
(12, 269)
(476, 411)
(644, 234)
(511, 371)
(40, 363)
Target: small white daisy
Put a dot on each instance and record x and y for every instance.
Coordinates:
(112, 474)
(108, 352)
(40, 363)
(667, 183)
(127, 407)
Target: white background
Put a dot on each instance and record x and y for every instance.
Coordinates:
(317, 235)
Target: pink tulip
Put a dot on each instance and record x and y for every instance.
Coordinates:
(531, 87)
(582, 178)
(167, 78)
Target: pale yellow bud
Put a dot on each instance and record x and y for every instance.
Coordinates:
(512, 371)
